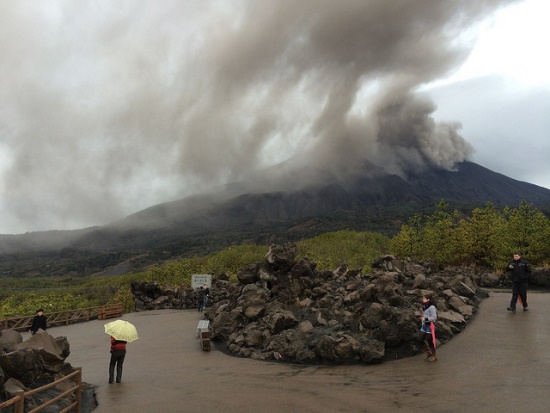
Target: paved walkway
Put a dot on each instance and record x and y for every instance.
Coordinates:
(500, 363)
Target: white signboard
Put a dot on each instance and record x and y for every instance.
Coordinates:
(200, 279)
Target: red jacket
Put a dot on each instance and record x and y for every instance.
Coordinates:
(117, 345)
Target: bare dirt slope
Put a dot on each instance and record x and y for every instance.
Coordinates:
(500, 363)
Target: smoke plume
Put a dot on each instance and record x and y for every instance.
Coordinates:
(109, 107)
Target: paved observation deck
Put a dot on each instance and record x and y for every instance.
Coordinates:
(499, 363)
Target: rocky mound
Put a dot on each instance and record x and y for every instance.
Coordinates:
(283, 309)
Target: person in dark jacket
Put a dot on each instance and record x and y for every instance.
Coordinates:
(204, 291)
(118, 353)
(38, 322)
(520, 271)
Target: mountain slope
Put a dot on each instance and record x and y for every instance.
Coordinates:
(352, 203)
(470, 184)
(205, 223)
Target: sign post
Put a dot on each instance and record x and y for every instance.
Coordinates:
(197, 280)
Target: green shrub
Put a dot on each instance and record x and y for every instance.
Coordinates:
(487, 237)
(20, 305)
(357, 249)
(124, 295)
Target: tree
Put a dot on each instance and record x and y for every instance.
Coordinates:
(482, 237)
(439, 236)
(528, 231)
(408, 242)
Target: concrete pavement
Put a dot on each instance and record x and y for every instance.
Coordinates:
(500, 363)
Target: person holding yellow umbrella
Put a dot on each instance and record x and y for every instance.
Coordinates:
(121, 332)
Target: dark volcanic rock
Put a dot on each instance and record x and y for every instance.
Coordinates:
(305, 316)
(287, 310)
(9, 339)
(36, 362)
(40, 353)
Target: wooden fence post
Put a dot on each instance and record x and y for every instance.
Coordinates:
(79, 390)
(20, 404)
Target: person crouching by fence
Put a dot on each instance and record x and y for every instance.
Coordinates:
(427, 329)
(38, 322)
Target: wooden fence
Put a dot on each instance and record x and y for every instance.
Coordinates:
(55, 319)
(18, 401)
(65, 317)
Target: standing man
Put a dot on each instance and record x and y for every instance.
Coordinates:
(202, 298)
(520, 271)
(38, 322)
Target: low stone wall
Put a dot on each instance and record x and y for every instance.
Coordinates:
(153, 296)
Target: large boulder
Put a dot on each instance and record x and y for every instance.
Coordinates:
(36, 362)
(9, 339)
(30, 358)
(489, 279)
(280, 321)
(281, 257)
(248, 275)
(540, 277)
(13, 386)
(287, 344)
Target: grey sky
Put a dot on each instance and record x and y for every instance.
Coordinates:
(107, 108)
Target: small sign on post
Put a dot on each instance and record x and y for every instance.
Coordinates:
(197, 280)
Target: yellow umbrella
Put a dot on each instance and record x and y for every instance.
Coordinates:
(122, 330)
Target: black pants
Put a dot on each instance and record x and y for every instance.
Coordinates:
(117, 358)
(427, 340)
(519, 289)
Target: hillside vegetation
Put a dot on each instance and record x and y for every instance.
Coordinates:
(486, 237)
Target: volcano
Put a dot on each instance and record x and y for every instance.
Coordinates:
(202, 224)
(361, 202)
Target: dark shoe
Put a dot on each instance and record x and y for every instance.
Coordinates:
(118, 381)
(427, 350)
(525, 308)
(110, 382)
(511, 309)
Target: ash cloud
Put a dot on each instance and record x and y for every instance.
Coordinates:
(109, 107)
